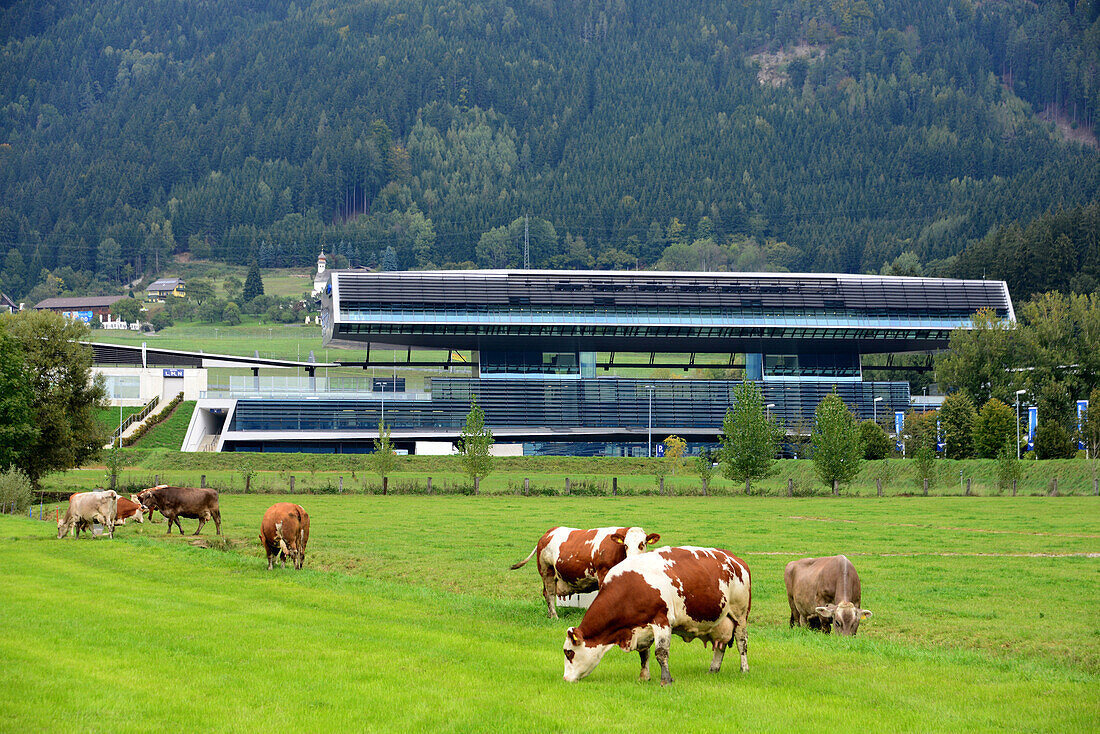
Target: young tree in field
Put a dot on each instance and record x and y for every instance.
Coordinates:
(1008, 466)
(957, 418)
(65, 397)
(200, 290)
(253, 283)
(704, 467)
(750, 440)
(231, 314)
(924, 459)
(474, 443)
(383, 460)
(837, 451)
(876, 444)
(674, 453)
(994, 427)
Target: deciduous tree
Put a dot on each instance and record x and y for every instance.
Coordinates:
(750, 440)
(474, 442)
(836, 449)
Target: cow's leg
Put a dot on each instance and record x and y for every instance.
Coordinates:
(719, 653)
(741, 634)
(202, 521)
(217, 515)
(270, 559)
(663, 641)
(550, 591)
(643, 653)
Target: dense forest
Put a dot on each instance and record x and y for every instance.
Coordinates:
(755, 134)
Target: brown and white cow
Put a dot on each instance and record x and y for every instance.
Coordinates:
(127, 509)
(572, 561)
(824, 591)
(695, 593)
(89, 507)
(177, 502)
(284, 531)
(147, 512)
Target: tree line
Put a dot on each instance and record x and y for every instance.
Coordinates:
(831, 136)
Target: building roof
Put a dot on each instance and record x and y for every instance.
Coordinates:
(6, 302)
(78, 302)
(165, 284)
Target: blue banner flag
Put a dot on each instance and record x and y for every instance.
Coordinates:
(1032, 425)
(1082, 416)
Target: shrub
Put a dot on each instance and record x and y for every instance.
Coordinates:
(876, 444)
(995, 426)
(957, 416)
(15, 491)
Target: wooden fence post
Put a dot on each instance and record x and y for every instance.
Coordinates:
(429, 485)
(341, 485)
(705, 482)
(248, 484)
(1013, 487)
(1054, 487)
(614, 486)
(878, 487)
(385, 485)
(968, 486)
(661, 490)
(526, 486)
(477, 485)
(790, 487)
(836, 487)
(926, 486)
(291, 484)
(567, 485)
(202, 482)
(156, 479)
(1096, 485)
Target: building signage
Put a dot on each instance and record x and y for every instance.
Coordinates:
(1082, 412)
(1032, 425)
(85, 316)
(173, 372)
(660, 449)
(899, 427)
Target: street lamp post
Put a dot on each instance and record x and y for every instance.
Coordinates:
(1018, 394)
(649, 436)
(768, 410)
(875, 409)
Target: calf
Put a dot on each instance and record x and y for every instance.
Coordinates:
(127, 509)
(177, 502)
(88, 507)
(572, 561)
(702, 593)
(824, 591)
(284, 531)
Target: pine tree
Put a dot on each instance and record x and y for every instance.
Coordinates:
(253, 284)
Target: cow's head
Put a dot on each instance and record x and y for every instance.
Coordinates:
(62, 527)
(635, 540)
(846, 616)
(147, 498)
(580, 659)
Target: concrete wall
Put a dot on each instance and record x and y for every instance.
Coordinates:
(151, 381)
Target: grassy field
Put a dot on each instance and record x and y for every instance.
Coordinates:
(169, 433)
(547, 475)
(406, 618)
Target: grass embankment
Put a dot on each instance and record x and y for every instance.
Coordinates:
(406, 618)
(109, 417)
(169, 433)
(547, 475)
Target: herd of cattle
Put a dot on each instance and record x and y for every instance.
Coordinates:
(643, 598)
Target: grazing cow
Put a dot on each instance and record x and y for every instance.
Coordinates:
(572, 561)
(88, 507)
(284, 531)
(823, 592)
(127, 509)
(145, 510)
(177, 502)
(702, 593)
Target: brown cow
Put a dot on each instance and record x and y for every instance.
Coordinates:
(177, 502)
(128, 509)
(572, 561)
(695, 593)
(284, 531)
(824, 591)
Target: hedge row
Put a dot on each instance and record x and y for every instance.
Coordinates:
(152, 421)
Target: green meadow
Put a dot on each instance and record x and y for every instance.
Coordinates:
(406, 618)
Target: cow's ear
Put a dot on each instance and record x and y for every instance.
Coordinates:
(573, 635)
(826, 612)
(619, 538)
(652, 538)
(865, 613)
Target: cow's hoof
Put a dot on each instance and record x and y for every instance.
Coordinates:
(644, 676)
(666, 682)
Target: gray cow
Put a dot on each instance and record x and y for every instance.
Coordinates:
(89, 507)
(823, 592)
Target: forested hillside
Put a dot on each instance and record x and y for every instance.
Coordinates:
(780, 133)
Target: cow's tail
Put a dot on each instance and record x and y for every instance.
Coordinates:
(279, 538)
(525, 560)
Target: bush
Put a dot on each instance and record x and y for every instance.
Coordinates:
(15, 491)
(876, 444)
(995, 426)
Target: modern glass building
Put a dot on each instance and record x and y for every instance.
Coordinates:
(545, 344)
